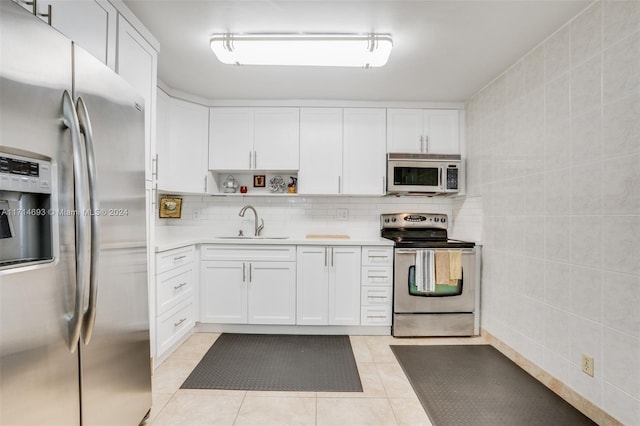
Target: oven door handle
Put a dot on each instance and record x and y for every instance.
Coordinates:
(408, 251)
(414, 250)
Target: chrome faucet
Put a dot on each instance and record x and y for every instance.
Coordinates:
(259, 228)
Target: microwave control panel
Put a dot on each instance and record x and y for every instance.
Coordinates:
(452, 178)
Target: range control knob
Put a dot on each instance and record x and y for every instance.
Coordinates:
(394, 219)
(437, 219)
(444, 219)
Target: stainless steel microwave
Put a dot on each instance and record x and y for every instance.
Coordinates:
(423, 173)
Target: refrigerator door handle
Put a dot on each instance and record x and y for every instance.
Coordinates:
(83, 239)
(86, 130)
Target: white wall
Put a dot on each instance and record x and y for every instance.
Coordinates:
(554, 156)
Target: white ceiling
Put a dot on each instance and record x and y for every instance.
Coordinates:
(444, 51)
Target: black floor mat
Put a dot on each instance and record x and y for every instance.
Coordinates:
(476, 385)
(277, 363)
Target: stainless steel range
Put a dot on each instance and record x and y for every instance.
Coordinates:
(436, 279)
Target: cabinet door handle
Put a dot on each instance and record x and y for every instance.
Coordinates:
(250, 157)
(249, 272)
(47, 15)
(339, 184)
(255, 159)
(175, 324)
(384, 186)
(421, 143)
(426, 144)
(244, 275)
(331, 256)
(326, 250)
(33, 4)
(175, 259)
(179, 286)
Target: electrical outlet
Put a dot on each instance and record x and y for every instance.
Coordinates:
(196, 214)
(342, 214)
(587, 364)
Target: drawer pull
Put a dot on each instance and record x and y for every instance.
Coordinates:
(377, 316)
(377, 297)
(175, 324)
(179, 257)
(380, 276)
(179, 286)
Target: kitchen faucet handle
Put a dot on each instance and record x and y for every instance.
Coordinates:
(260, 228)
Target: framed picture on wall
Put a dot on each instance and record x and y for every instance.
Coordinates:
(170, 208)
(259, 181)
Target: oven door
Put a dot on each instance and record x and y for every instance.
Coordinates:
(408, 299)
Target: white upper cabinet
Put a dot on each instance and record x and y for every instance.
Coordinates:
(320, 151)
(254, 139)
(423, 131)
(183, 135)
(230, 139)
(342, 151)
(90, 23)
(364, 149)
(137, 63)
(276, 143)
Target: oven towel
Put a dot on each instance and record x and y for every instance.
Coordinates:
(430, 271)
(442, 267)
(419, 272)
(455, 264)
(425, 271)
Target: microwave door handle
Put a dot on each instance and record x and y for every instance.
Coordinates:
(86, 130)
(440, 182)
(83, 238)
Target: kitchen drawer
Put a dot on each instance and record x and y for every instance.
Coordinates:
(377, 275)
(375, 315)
(370, 295)
(173, 325)
(377, 256)
(174, 286)
(275, 253)
(167, 260)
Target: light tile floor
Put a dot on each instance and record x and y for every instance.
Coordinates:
(388, 398)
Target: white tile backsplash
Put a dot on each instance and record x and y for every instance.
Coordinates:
(298, 215)
(569, 232)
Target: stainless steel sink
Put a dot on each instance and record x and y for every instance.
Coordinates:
(243, 237)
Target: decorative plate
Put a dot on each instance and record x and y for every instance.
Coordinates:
(276, 184)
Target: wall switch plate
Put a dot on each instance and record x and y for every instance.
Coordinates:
(196, 214)
(342, 214)
(587, 364)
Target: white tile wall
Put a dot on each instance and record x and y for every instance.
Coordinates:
(554, 193)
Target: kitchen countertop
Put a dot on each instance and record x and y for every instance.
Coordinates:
(178, 236)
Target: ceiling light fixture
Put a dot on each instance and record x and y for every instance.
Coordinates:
(337, 50)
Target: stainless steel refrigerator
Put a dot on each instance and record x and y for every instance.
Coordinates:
(74, 320)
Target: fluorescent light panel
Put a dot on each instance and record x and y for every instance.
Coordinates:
(337, 50)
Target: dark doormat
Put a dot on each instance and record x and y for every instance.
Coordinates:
(477, 385)
(277, 363)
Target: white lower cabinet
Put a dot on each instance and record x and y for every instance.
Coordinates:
(173, 325)
(377, 286)
(328, 285)
(176, 283)
(248, 290)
